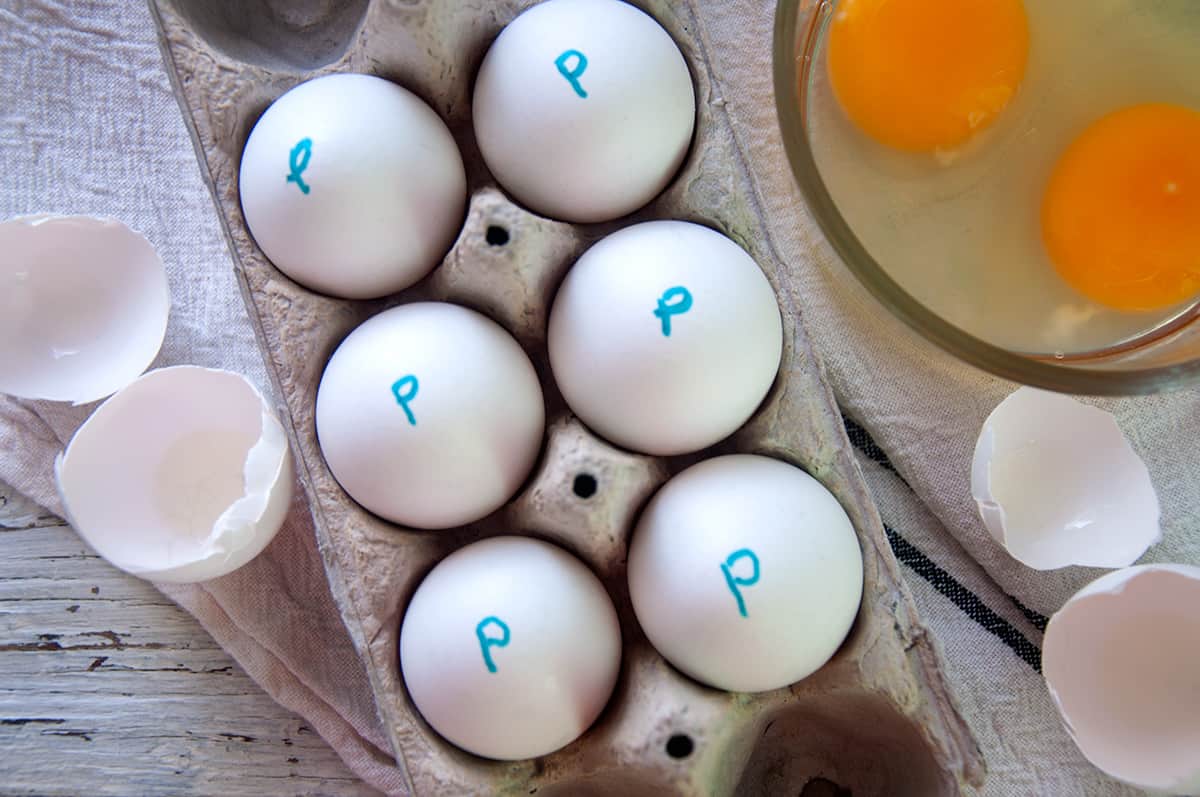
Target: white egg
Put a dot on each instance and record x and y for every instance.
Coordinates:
(584, 109)
(352, 186)
(1122, 662)
(183, 475)
(510, 648)
(83, 307)
(430, 415)
(745, 573)
(665, 337)
(1057, 484)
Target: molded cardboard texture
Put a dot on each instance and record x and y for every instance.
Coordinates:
(878, 719)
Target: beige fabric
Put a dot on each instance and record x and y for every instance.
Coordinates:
(88, 124)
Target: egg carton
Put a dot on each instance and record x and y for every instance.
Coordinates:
(878, 719)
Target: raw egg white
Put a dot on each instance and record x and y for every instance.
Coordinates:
(510, 648)
(745, 573)
(430, 415)
(584, 109)
(352, 186)
(665, 337)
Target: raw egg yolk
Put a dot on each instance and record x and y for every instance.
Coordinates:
(1121, 215)
(925, 75)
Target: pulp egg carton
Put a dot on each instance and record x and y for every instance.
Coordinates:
(877, 719)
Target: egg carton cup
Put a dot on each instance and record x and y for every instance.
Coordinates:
(877, 719)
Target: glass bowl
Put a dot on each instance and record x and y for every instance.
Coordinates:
(1166, 360)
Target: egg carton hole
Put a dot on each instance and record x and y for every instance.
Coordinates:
(680, 745)
(585, 485)
(496, 235)
(820, 787)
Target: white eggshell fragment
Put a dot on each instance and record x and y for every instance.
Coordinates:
(182, 476)
(1122, 661)
(1058, 484)
(745, 573)
(584, 109)
(83, 307)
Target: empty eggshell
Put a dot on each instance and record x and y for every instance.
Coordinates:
(83, 307)
(1122, 662)
(182, 476)
(1058, 484)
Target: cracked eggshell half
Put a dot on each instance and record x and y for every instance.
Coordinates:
(83, 307)
(1122, 662)
(182, 476)
(1058, 484)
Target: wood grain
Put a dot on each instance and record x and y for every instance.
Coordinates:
(106, 687)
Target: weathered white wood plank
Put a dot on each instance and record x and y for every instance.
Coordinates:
(106, 687)
(18, 512)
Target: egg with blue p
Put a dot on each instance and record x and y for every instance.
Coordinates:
(430, 415)
(745, 573)
(584, 109)
(510, 648)
(665, 337)
(352, 186)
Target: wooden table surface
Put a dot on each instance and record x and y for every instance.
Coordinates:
(107, 687)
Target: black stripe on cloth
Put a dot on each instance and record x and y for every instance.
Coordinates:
(970, 603)
(1036, 619)
(862, 440)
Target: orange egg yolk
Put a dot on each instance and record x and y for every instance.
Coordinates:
(925, 75)
(1121, 214)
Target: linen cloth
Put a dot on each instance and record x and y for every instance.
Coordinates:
(88, 124)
